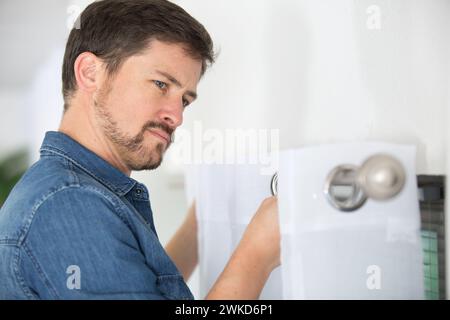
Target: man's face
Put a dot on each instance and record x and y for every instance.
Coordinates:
(140, 108)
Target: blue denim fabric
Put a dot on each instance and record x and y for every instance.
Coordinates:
(75, 227)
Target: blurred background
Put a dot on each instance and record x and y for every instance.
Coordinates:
(317, 71)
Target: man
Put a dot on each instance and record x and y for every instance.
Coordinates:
(77, 226)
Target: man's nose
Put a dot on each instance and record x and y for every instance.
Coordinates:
(172, 113)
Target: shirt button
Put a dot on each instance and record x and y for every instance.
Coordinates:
(138, 192)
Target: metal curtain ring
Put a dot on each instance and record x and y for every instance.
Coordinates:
(341, 188)
(274, 184)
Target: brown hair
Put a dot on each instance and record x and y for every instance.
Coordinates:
(115, 30)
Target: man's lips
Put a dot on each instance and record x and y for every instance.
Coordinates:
(160, 134)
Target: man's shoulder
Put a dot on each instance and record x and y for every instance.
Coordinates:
(70, 226)
(51, 185)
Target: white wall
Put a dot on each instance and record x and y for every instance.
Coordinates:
(315, 70)
(30, 32)
(12, 122)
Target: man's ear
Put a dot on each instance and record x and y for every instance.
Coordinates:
(87, 72)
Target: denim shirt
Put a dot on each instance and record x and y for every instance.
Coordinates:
(75, 227)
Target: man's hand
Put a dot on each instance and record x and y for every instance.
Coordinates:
(257, 254)
(263, 234)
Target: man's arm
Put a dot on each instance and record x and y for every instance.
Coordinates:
(257, 254)
(248, 269)
(182, 248)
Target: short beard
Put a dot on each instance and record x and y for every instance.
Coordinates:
(130, 149)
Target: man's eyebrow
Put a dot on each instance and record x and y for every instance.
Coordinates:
(177, 83)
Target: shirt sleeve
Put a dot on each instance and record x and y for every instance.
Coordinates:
(80, 247)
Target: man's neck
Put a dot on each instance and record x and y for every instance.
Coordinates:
(84, 130)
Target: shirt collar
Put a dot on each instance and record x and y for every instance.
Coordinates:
(62, 145)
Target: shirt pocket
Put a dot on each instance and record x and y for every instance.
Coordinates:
(173, 287)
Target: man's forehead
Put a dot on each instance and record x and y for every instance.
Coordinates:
(172, 58)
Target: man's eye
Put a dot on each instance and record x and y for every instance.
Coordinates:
(160, 84)
(186, 103)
